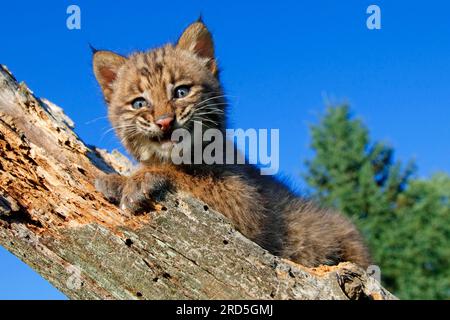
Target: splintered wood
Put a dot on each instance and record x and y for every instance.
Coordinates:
(52, 218)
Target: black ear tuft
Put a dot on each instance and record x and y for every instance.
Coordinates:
(93, 50)
(200, 18)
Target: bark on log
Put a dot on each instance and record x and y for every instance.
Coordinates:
(52, 218)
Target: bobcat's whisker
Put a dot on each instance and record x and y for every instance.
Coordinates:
(205, 119)
(211, 105)
(209, 99)
(212, 112)
(95, 119)
(202, 124)
(115, 128)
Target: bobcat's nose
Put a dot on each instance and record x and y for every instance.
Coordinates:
(165, 122)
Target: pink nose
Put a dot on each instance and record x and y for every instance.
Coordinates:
(165, 122)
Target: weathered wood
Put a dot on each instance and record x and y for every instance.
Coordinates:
(52, 218)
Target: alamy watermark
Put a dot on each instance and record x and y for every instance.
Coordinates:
(73, 21)
(213, 146)
(373, 22)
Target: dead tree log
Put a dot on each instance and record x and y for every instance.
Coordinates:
(52, 218)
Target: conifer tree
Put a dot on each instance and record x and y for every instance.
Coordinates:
(398, 215)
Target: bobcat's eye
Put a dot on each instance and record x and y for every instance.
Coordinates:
(181, 92)
(139, 103)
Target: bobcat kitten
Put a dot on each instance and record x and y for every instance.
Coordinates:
(152, 93)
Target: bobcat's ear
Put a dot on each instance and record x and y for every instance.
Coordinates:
(106, 64)
(197, 39)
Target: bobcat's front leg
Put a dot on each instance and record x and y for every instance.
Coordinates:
(111, 185)
(142, 190)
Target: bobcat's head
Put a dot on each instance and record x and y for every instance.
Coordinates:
(151, 94)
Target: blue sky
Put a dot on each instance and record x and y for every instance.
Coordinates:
(279, 60)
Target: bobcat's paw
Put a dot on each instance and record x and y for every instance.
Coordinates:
(142, 191)
(111, 185)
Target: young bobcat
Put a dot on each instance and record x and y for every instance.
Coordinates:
(150, 94)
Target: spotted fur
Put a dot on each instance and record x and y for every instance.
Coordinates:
(261, 207)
